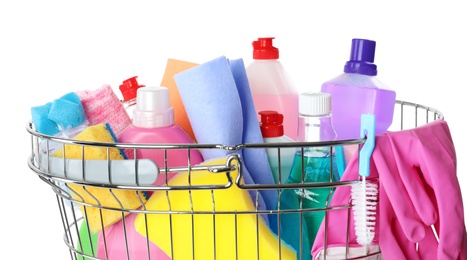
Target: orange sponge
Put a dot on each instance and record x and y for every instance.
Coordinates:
(100, 197)
(173, 67)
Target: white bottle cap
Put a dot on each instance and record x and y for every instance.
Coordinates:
(314, 104)
(153, 108)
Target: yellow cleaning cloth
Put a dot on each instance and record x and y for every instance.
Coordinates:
(209, 236)
(173, 67)
(95, 195)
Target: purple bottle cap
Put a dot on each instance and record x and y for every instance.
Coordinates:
(362, 56)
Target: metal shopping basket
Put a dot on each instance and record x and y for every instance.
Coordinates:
(190, 230)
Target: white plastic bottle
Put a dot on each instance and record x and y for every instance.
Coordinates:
(272, 130)
(314, 164)
(271, 86)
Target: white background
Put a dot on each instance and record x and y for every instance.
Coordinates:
(49, 48)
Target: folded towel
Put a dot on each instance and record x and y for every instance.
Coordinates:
(181, 118)
(103, 106)
(105, 197)
(222, 235)
(213, 102)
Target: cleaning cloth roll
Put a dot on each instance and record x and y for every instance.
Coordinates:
(213, 102)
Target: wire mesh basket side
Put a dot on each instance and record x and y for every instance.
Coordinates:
(199, 230)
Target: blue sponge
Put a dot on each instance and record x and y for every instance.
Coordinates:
(72, 96)
(66, 114)
(63, 113)
(41, 122)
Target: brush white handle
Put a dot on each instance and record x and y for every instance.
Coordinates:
(114, 172)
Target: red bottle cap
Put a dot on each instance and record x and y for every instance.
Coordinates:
(263, 49)
(271, 123)
(128, 88)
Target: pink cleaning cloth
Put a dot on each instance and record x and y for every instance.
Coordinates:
(338, 225)
(103, 106)
(122, 238)
(418, 189)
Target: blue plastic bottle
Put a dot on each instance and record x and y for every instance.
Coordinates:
(316, 164)
(357, 91)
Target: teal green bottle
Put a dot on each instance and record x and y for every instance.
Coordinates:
(314, 164)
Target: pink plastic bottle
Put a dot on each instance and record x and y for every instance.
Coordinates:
(153, 123)
(271, 86)
(357, 91)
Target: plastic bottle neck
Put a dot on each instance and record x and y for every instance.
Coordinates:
(147, 119)
(315, 129)
(153, 108)
(362, 55)
(263, 49)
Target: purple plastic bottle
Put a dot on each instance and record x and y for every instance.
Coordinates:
(358, 91)
(153, 123)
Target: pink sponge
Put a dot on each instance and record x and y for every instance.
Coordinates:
(103, 106)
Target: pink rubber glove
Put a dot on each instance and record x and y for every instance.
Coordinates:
(417, 169)
(338, 222)
(418, 188)
(392, 239)
(389, 234)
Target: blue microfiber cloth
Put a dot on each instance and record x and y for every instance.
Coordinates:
(213, 103)
(41, 121)
(256, 160)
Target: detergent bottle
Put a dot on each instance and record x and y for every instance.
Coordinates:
(314, 164)
(357, 91)
(271, 86)
(153, 123)
(272, 130)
